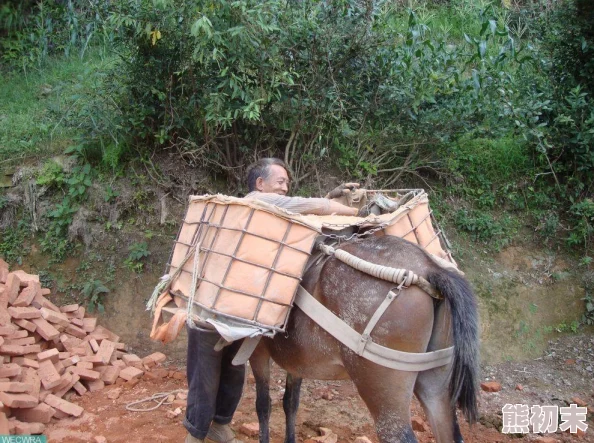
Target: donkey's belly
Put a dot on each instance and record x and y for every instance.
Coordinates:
(308, 351)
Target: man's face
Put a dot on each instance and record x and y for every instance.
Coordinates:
(276, 183)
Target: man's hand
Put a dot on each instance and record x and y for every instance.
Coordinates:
(341, 190)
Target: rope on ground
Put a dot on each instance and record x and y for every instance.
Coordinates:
(160, 398)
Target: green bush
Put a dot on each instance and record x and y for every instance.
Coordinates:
(373, 90)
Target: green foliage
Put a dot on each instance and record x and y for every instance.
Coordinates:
(13, 243)
(488, 170)
(483, 227)
(583, 230)
(137, 253)
(33, 31)
(79, 181)
(94, 292)
(52, 175)
(368, 88)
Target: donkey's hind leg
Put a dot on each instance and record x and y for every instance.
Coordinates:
(260, 364)
(291, 405)
(387, 393)
(432, 386)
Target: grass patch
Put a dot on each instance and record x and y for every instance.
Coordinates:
(33, 107)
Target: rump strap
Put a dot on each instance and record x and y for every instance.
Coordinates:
(366, 336)
(390, 358)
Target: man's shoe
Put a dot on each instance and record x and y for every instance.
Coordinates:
(191, 439)
(221, 434)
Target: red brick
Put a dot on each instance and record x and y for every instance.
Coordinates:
(16, 335)
(131, 358)
(26, 362)
(31, 377)
(26, 278)
(18, 400)
(65, 355)
(79, 388)
(74, 379)
(48, 374)
(28, 294)
(69, 308)
(94, 345)
(84, 364)
(119, 363)
(89, 324)
(5, 317)
(13, 284)
(8, 329)
(25, 312)
(21, 428)
(43, 393)
(12, 350)
(50, 354)
(65, 380)
(70, 361)
(21, 341)
(250, 429)
(63, 405)
(154, 358)
(110, 375)
(59, 415)
(55, 317)
(94, 359)
(3, 267)
(95, 385)
(25, 324)
(130, 372)
(77, 322)
(106, 350)
(15, 386)
(32, 349)
(70, 342)
(110, 335)
(60, 367)
(41, 302)
(42, 413)
(76, 331)
(85, 374)
(491, 386)
(45, 291)
(4, 428)
(79, 313)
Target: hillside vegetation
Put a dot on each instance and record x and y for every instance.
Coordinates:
(486, 104)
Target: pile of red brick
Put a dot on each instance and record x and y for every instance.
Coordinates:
(48, 351)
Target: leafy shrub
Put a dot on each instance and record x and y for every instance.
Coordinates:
(137, 253)
(306, 82)
(93, 293)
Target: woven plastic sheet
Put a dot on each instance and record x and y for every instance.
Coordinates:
(251, 260)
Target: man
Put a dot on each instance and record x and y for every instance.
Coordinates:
(215, 385)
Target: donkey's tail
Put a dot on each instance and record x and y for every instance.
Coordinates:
(465, 324)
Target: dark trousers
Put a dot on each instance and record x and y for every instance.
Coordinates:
(215, 385)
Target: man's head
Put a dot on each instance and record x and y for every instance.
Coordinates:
(268, 175)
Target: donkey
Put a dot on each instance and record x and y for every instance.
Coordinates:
(414, 322)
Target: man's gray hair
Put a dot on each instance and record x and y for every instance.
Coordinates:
(262, 169)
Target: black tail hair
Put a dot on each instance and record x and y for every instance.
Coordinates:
(465, 324)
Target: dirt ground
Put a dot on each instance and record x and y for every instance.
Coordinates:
(563, 373)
